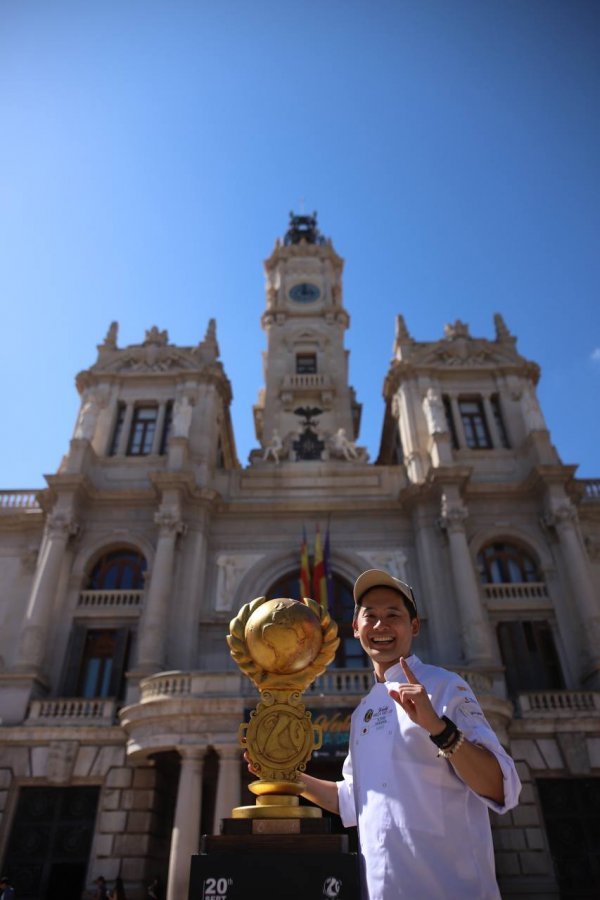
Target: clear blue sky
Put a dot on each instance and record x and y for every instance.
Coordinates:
(151, 150)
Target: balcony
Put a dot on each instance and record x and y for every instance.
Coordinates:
(111, 601)
(558, 704)
(75, 711)
(21, 501)
(591, 489)
(517, 595)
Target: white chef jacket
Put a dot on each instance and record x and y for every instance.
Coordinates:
(424, 834)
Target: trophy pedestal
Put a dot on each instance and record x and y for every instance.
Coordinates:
(295, 859)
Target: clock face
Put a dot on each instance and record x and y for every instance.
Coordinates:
(304, 292)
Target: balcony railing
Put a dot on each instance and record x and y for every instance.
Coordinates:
(334, 682)
(591, 488)
(110, 599)
(532, 590)
(18, 500)
(305, 382)
(562, 704)
(76, 711)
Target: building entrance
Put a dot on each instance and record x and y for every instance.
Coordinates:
(49, 845)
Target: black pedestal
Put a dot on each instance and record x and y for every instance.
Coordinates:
(260, 866)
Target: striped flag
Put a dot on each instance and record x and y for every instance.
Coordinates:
(304, 567)
(319, 579)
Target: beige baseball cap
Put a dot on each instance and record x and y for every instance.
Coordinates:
(378, 578)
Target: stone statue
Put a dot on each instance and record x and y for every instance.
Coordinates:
(274, 448)
(86, 421)
(182, 417)
(342, 444)
(434, 412)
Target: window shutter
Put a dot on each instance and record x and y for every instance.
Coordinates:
(74, 656)
(122, 636)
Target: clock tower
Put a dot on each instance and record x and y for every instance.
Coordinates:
(306, 410)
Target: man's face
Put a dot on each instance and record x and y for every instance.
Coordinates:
(384, 628)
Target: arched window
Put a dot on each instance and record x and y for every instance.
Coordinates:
(350, 654)
(503, 563)
(119, 570)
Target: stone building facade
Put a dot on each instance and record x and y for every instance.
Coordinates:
(119, 703)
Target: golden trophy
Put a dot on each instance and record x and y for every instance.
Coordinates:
(282, 646)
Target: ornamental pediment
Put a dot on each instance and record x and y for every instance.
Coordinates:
(149, 358)
(465, 352)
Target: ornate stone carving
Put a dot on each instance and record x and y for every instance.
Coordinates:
(434, 412)
(61, 761)
(169, 522)
(182, 417)
(532, 413)
(231, 567)
(565, 514)
(392, 561)
(86, 421)
(156, 337)
(110, 341)
(274, 449)
(455, 330)
(452, 516)
(61, 524)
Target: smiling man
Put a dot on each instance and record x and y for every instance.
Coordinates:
(423, 765)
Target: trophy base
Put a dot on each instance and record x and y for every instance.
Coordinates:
(276, 806)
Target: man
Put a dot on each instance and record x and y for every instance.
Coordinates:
(423, 764)
(101, 888)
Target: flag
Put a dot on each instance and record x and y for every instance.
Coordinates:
(304, 567)
(319, 580)
(328, 572)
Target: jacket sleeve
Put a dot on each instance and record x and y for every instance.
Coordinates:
(346, 794)
(465, 711)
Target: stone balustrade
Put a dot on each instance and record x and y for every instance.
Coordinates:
(72, 711)
(591, 488)
(561, 704)
(532, 590)
(132, 599)
(305, 382)
(21, 500)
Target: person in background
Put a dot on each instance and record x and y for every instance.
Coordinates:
(118, 892)
(7, 891)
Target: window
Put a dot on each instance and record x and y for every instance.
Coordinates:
(350, 654)
(475, 427)
(306, 364)
(506, 564)
(143, 426)
(96, 662)
(529, 656)
(140, 424)
(118, 570)
(499, 420)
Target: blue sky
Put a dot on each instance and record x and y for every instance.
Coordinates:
(151, 150)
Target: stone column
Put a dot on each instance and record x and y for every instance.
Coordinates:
(125, 430)
(476, 632)
(230, 783)
(153, 624)
(459, 428)
(491, 422)
(563, 519)
(60, 526)
(441, 627)
(158, 431)
(185, 837)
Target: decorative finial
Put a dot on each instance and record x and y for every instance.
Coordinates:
(502, 332)
(110, 341)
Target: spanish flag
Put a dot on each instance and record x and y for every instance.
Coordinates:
(319, 575)
(304, 567)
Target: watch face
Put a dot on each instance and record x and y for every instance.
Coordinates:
(304, 292)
